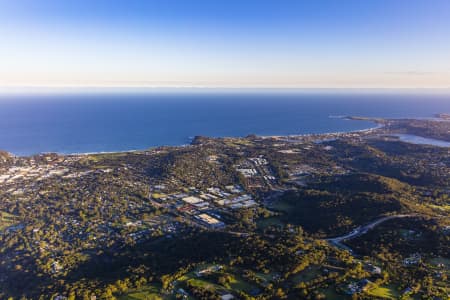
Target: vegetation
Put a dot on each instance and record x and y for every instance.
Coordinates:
(128, 225)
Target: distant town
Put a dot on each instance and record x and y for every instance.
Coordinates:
(356, 215)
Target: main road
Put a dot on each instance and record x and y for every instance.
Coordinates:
(337, 241)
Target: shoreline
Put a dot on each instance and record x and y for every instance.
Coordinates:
(368, 130)
(378, 124)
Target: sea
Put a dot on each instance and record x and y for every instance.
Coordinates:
(109, 122)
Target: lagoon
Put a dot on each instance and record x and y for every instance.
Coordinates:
(414, 139)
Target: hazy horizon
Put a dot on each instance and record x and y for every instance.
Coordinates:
(28, 91)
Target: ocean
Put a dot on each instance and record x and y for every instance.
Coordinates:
(80, 123)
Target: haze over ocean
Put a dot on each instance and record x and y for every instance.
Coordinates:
(79, 123)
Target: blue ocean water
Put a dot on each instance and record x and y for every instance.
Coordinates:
(76, 123)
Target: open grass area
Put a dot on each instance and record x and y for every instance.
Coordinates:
(239, 284)
(204, 284)
(238, 142)
(150, 292)
(236, 283)
(306, 275)
(158, 195)
(384, 292)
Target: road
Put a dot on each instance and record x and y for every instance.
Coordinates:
(337, 241)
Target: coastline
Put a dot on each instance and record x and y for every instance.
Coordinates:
(365, 130)
(378, 122)
(170, 121)
(368, 130)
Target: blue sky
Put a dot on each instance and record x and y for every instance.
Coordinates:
(225, 43)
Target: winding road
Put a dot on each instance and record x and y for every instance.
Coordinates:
(337, 241)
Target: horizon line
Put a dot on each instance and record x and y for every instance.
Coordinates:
(149, 89)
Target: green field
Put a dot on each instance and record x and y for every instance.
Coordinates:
(386, 292)
(150, 292)
(239, 284)
(203, 284)
(308, 274)
(236, 283)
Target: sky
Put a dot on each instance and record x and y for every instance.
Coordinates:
(225, 43)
